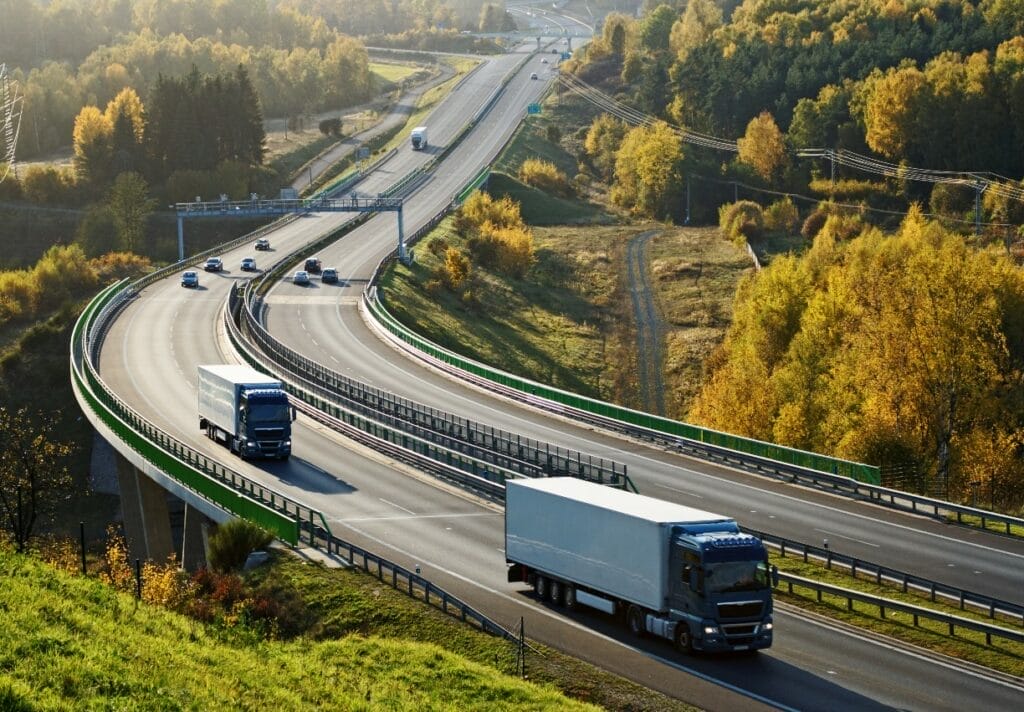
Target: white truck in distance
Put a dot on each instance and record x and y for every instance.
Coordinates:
(419, 138)
(676, 572)
(246, 410)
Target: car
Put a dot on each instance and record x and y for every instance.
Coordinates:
(213, 264)
(533, 75)
(543, 60)
(190, 279)
(554, 50)
(301, 277)
(329, 275)
(313, 265)
(263, 244)
(248, 264)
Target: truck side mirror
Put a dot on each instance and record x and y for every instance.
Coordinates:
(775, 576)
(293, 413)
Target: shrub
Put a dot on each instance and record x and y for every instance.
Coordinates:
(741, 221)
(46, 184)
(232, 543)
(813, 224)
(781, 216)
(455, 270)
(330, 127)
(437, 246)
(545, 176)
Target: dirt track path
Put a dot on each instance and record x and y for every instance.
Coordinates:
(649, 328)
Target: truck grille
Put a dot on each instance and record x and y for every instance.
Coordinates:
(740, 609)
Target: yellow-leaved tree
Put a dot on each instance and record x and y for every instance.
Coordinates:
(648, 171)
(763, 147)
(904, 351)
(91, 136)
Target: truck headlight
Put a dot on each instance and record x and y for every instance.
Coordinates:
(711, 630)
(251, 443)
(765, 627)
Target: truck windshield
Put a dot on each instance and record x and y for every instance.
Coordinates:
(269, 413)
(736, 576)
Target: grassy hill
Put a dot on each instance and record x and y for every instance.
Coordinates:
(74, 643)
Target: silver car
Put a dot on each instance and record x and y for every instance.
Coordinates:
(301, 277)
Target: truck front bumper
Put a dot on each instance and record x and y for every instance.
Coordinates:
(733, 637)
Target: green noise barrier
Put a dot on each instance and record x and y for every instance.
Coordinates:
(821, 463)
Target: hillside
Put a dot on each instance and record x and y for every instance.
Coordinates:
(71, 642)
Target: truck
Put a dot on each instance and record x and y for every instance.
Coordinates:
(245, 410)
(419, 138)
(689, 576)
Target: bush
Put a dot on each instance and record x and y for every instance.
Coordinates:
(545, 176)
(813, 224)
(741, 221)
(232, 543)
(437, 246)
(330, 127)
(781, 216)
(45, 184)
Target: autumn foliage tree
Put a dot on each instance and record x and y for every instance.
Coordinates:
(763, 146)
(648, 171)
(901, 350)
(34, 475)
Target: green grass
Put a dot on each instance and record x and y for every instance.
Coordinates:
(69, 642)
(539, 208)
(392, 73)
(1003, 655)
(340, 602)
(694, 273)
(563, 324)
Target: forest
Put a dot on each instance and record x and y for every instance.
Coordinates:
(880, 134)
(302, 55)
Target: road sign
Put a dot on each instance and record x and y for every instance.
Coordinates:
(533, 109)
(566, 55)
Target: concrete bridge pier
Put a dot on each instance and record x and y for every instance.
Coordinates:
(195, 539)
(147, 521)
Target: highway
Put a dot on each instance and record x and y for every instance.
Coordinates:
(153, 348)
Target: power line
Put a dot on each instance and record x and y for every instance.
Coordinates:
(980, 181)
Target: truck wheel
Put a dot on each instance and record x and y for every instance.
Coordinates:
(570, 596)
(556, 592)
(635, 621)
(683, 641)
(540, 586)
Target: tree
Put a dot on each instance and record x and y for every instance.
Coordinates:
(130, 207)
(97, 233)
(456, 268)
(656, 28)
(763, 147)
(892, 111)
(647, 170)
(34, 475)
(699, 21)
(92, 135)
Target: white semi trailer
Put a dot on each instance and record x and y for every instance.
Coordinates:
(246, 410)
(679, 573)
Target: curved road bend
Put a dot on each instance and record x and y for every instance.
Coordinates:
(150, 358)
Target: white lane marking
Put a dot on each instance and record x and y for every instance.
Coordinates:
(680, 491)
(585, 442)
(573, 624)
(859, 541)
(462, 515)
(397, 506)
(911, 653)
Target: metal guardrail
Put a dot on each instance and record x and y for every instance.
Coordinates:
(402, 579)
(888, 605)
(606, 415)
(981, 603)
(528, 457)
(227, 489)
